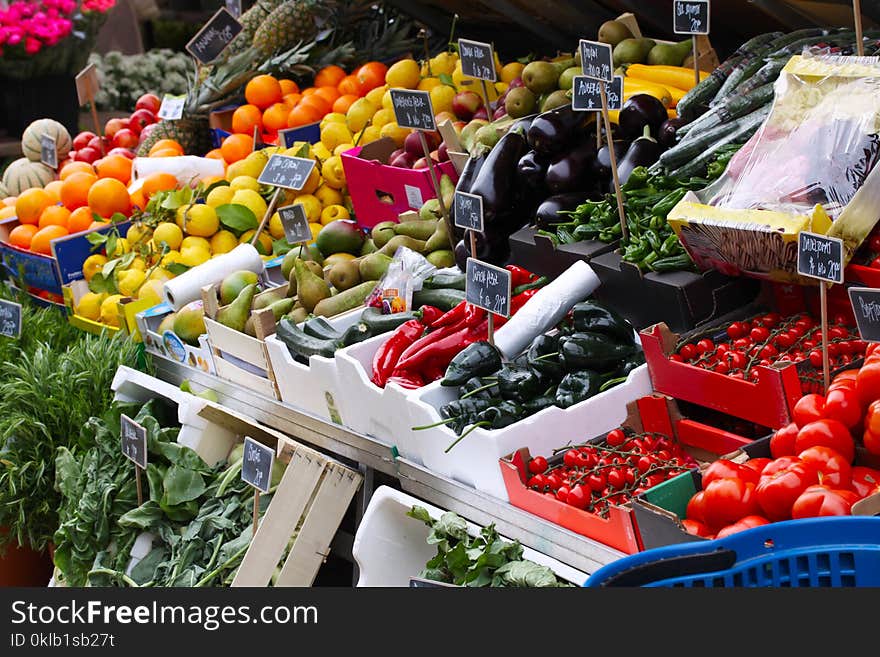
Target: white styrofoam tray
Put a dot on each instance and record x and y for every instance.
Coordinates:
(474, 460)
(390, 547)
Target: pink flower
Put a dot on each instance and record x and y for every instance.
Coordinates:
(32, 46)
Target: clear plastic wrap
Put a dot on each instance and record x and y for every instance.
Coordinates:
(405, 275)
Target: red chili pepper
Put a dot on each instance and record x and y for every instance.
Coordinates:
(452, 316)
(519, 275)
(442, 351)
(413, 355)
(430, 314)
(406, 379)
(386, 357)
(434, 371)
(515, 304)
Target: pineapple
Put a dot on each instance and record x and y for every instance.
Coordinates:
(289, 23)
(192, 133)
(250, 21)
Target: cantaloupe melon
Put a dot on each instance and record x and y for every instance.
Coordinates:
(3, 191)
(23, 174)
(30, 139)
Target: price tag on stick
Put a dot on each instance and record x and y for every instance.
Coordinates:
(295, 223)
(283, 171)
(866, 308)
(134, 447)
(857, 21)
(207, 45)
(488, 287)
(48, 151)
(413, 109)
(821, 257)
(469, 215)
(171, 108)
(691, 17)
(10, 319)
(587, 97)
(478, 61)
(234, 7)
(87, 86)
(256, 470)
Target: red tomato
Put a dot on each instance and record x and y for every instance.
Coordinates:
(835, 469)
(823, 501)
(843, 404)
(830, 433)
(724, 469)
(778, 492)
(782, 442)
(779, 464)
(696, 528)
(696, 507)
(872, 417)
(868, 379)
(871, 441)
(809, 408)
(846, 379)
(864, 481)
(728, 500)
(741, 525)
(758, 464)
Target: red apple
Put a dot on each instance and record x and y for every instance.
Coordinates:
(465, 104)
(412, 144)
(125, 138)
(87, 154)
(482, 114)
(99, 144)
(499, 113)
(394, 154)
(444, 116)
(516, 82)
(442, 152)
(433, 138)
(140, 120)
(82, 140)
(113, 126)
(125, 152)
(149, 102)
(403, 161)
(146, 132)
(459, 126)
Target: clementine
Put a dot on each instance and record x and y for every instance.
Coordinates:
(108, 196)
(54, 215)
(371, 75)
(166, 144)
(350, 85)
(288, 87)
(329, 75)
(158, 182)
(80, 220)
(75, 189)
(275, 117)
(245, 118)
(114, 166)
(22, 235)
(75, 167)
(237, 147)
(263, 91)
(30, 205)
(344, 102)
(41, 241)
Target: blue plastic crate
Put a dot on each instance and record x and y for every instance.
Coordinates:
(814, 552)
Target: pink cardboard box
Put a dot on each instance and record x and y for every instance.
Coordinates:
(380, 192)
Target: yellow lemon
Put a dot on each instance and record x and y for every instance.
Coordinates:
(252, 166)
(360, 112)
(511, 71)
(339, 150)
(328, 196)
(122, 247)
(403, 74)
(263, 245)
(315, 228)
(244, 182)
(332, 213)
(333, 173)
(195, 242)
(236, 169)
(426, 84)
(299, 149)
(369, 134)
(160, 274)
(332, 117)
(171, 257)
(312, 206)
(251, 200)
(153, 291)
(199, 219)
(194, 256)
(334, 134)
(223, 242)
(314, 180)
(138, 263)
(89, 306)
(110, 310)
(501, 87)
(444, 63)
(220, 195)
(383, 117)
(169, 233)
(386, 101)
(375, 95)
(92, 265)
(441, 98)
(138, 233)
(321, 151)
(395, 132)
(276, 228)
(129, 280)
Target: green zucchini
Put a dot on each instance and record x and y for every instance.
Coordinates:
(379, 323)
(354, 334)
(445, 299)
(301, 344)
(320, 328)
(445, 281)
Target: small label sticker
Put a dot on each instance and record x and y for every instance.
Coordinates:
(596, 60)
(48, 151)
(413, 196)
(413, 109)
(866, 308)
(587, 94)
(10, 319)
(295, 223)
(171, 108)
(214, 37)
(256, 464)
(286, 171)
(820, 256)
(469, 211)
(134, 441)
(488, 287)
(690, 16)
(477, 60)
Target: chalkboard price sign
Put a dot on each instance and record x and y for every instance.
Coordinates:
(690, 16)
(256, 464)
(413, 109)
(134, 441)
(866, 308)
(10, 319)
(213, 38)
(587, 97)
(171, 108)
(477, 60)
(596, 60)
(820, 257)
(488, 287)
(295, 223)
(288, 172)
(48, 151)
(469, 211)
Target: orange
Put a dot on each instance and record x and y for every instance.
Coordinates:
(165, 152)
(138, 200)
(288, 87)
(80, 220)
(371, 75)
(308, 91)
(158, 182)
(22, 235)
(114, 166)
(40, 241)
(30, 205)
(319, 102)
(237, 147)
(108, 196)
(98, 224)
(350, 85)
(303, 115)
(54, 215)
(330, 94)
(75, 167)
(245, 118)
(166, 144)
(53, 189)
(344, 102)
(329, 75)
(263, 91)
(275, 117)
(215, 154)
(291, 99)
(75, 189)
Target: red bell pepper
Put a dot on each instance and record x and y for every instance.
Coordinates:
(430, 314)
(519, 276)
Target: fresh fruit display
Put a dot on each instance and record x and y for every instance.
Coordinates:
(122, 135)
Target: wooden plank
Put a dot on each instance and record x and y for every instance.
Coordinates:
(244, 426)
(322, 521)
(280, 520)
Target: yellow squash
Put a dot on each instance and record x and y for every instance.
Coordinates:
(633, 86)
(675, 76)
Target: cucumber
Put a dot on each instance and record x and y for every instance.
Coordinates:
(445, 281)
(797, 35)
(694, 143)
(734, 107)
(320, 328)
(743, 72)
(302, 345)
(696, 101)
(759, 41)
(796, 47)
(443, 299)
(379, 323)
(767, 73)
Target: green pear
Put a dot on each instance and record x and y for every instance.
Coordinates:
(280, 308)
(439, 239)
(382, 232)
(374, 266)
(235, 315)
(310, 288)
(267, 298)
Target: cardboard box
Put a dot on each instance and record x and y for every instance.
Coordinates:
(380, 192)
(168, 344)
(538, 254)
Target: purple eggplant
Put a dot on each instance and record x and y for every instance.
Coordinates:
(666, 135)
(531, 169)
(602, 164)
(639, 111)
(572, 171)
(643, 152)
(552, 132)
(547, 213)
(495, 251)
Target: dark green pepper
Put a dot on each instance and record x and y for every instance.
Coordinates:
(587, 350)
(575, 387)
(518, 384)
(664, 207)
(597, 318)
(629, 364)
(497, 416)
(483, 388)
(542, 346)
(538, 404)
(477, 359)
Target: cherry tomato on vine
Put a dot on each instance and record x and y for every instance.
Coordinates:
(705, 345)
(538, 465)
(579, 497)
(688, 351)
(615, 437)
(759, 334)
(736, 330)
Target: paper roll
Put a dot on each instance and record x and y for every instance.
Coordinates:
(544, 310)
(188, 169)
(188, 286)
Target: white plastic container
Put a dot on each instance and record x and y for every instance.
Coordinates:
(390, 547)
(474, 460)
